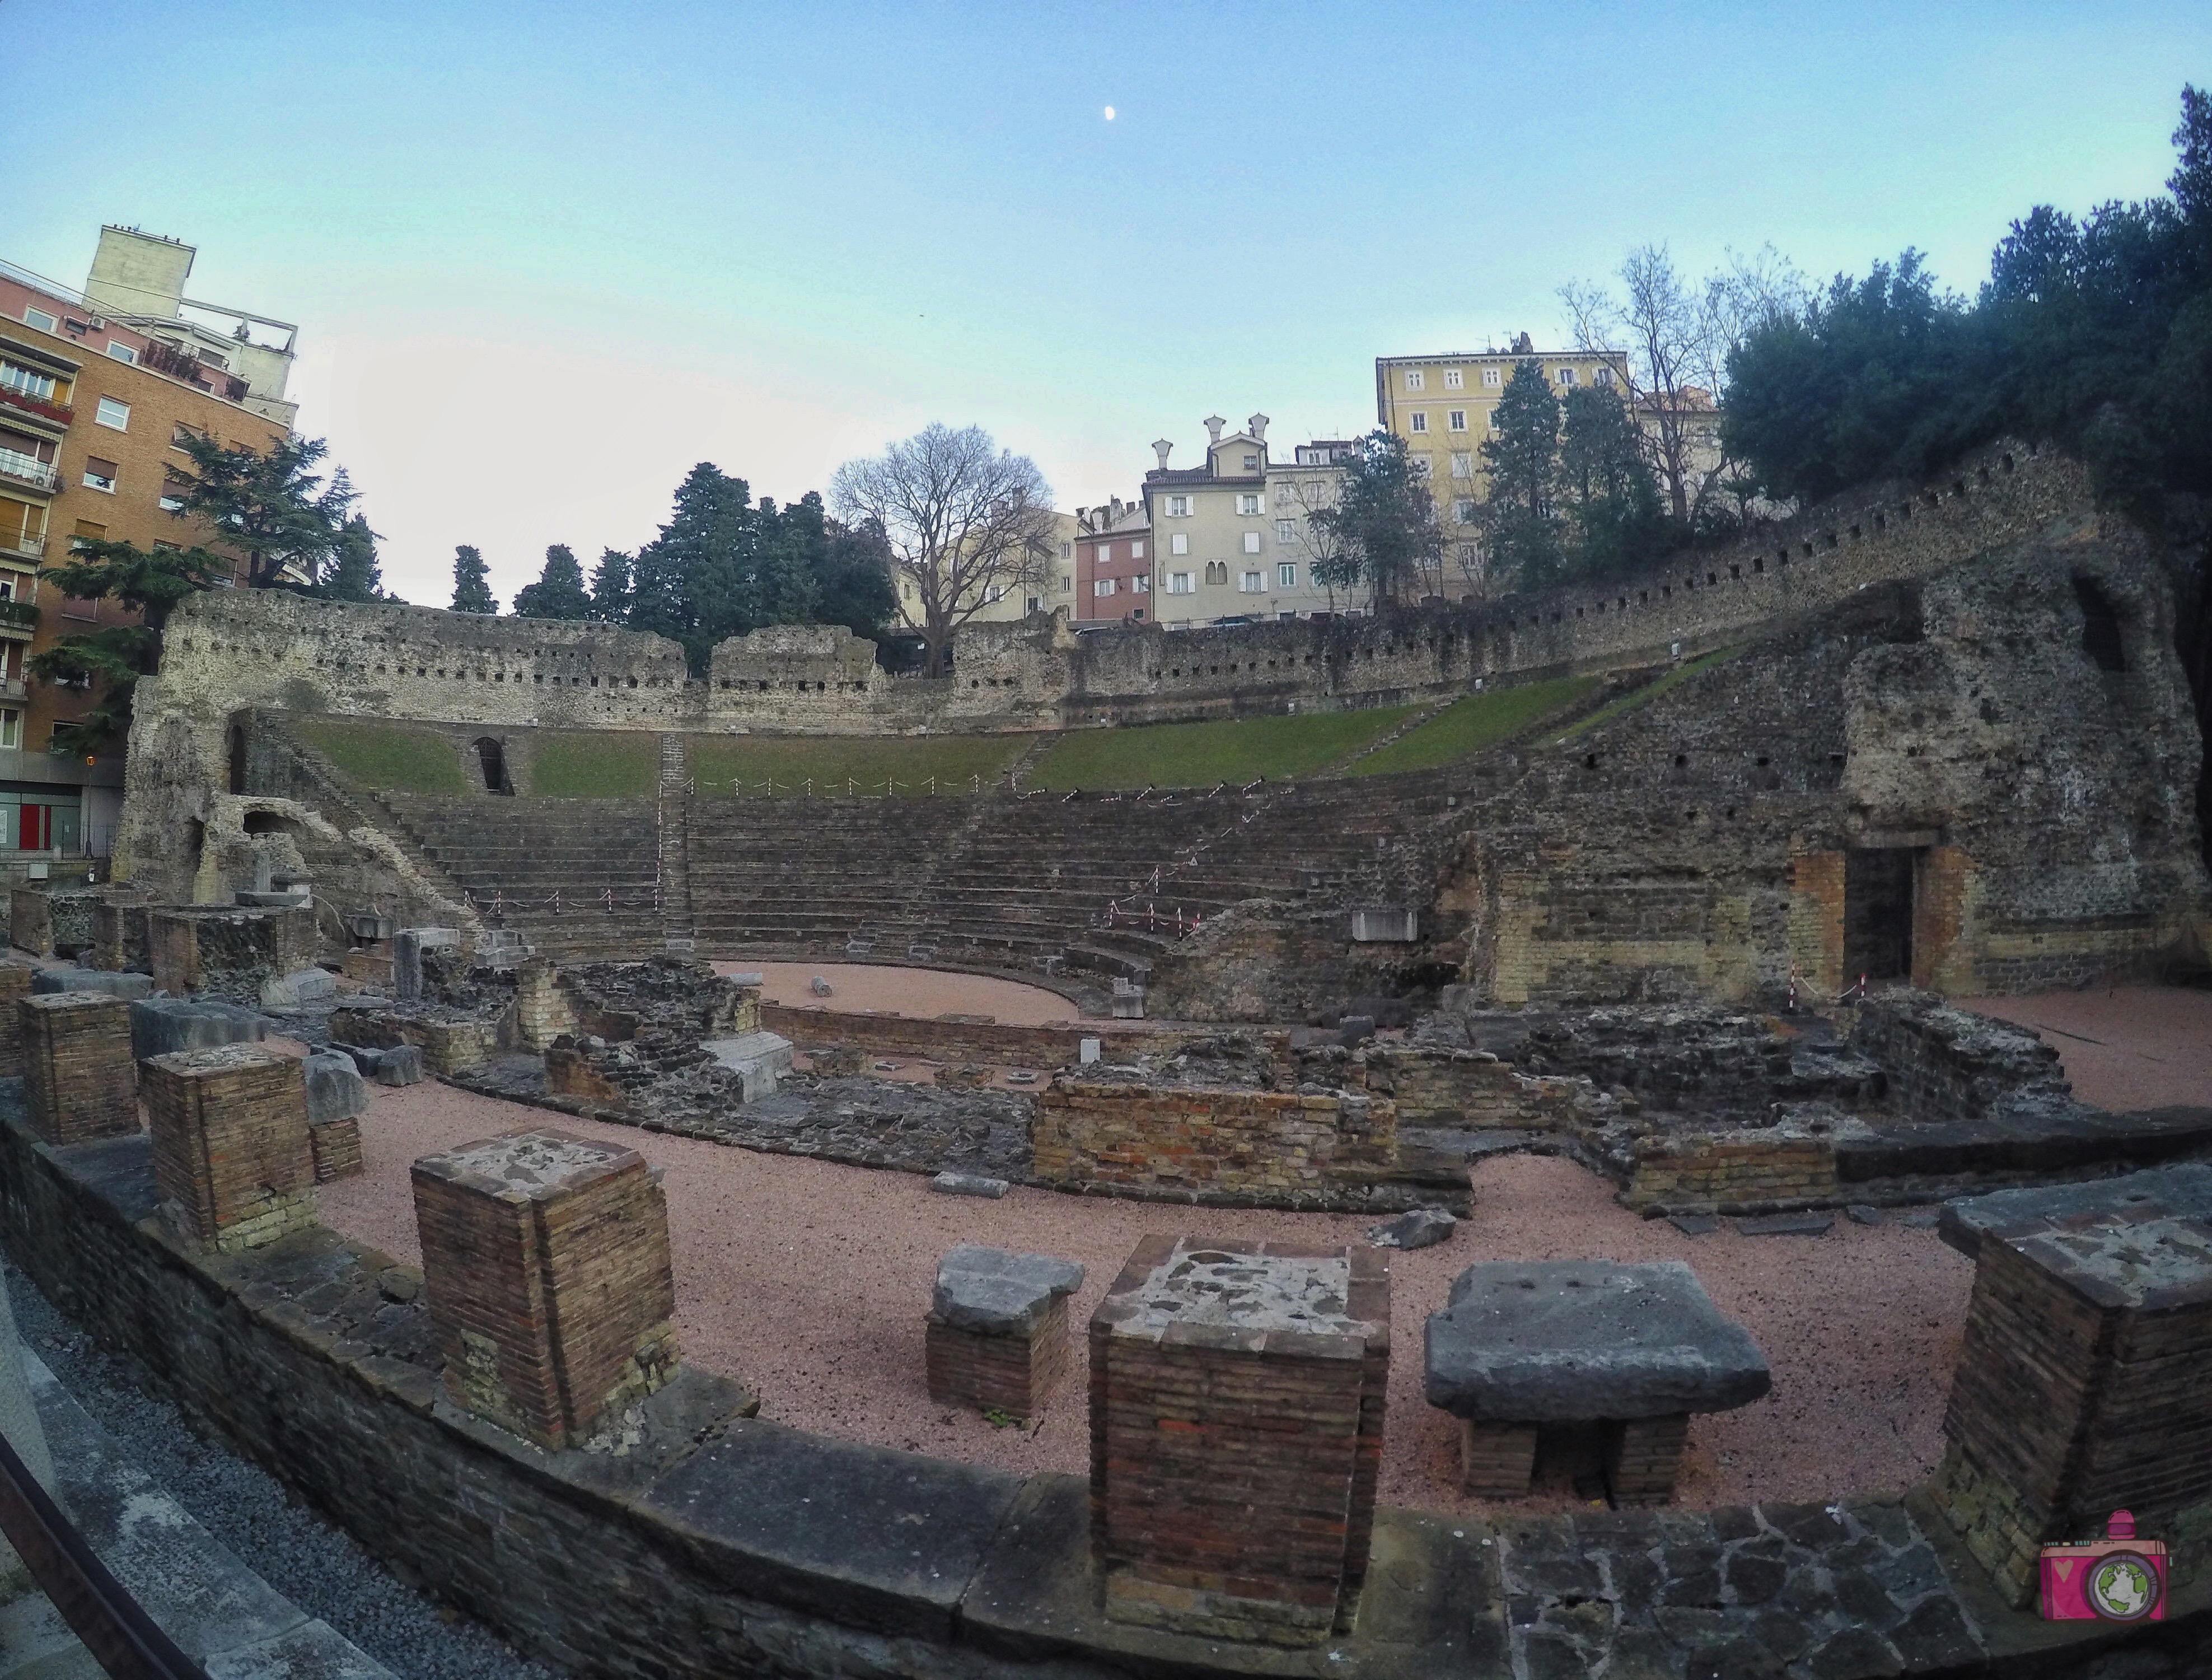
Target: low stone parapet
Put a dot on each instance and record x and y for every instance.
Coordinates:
(450, 1040)
(1746, 1170)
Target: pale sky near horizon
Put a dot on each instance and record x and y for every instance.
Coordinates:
(546, 257)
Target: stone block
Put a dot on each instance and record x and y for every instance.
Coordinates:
(368, 966)
(79, 1082)
(1424, 1228)
(336, 1146)
(231, 1150)
(408, 945)
(300, 989)
(1236, 1410)
(996, 1336)
(400, 1065)
(969, 1183)
(761, 1059)
(119, 928)
(335, 1089)
(123, 985)
(163, 1026)
(14, 986)
(546, 1260)
(226, 951)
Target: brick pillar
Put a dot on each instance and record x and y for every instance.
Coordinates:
(1643, 1457)
(546, 1261)
(78, 1079)
(1816, 921)
(542, 1010)
(230, 1142)
(1941, 961)
(14, 987)
(2080, 1389)
(1236, 1410)
(1495, 1460)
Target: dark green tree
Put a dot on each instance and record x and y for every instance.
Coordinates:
(355, 574)
(112, 658)
(559, 591)
(1521, 536)
(1609, 495)
(1380, 533)
(273, 510)
(471, 591)
(611, 587)
(690, 583)
(855, 573)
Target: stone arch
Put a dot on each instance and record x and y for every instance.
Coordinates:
(491, 760)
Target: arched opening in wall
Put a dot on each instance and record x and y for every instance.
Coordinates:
(2100, 626)
(236, 748)
(491, 759)
(268, 822)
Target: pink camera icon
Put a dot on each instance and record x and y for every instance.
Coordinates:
(2119, 1578)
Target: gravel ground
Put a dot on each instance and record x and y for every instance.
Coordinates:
(909, 991)
(2124, 1047)
(309, 1561)
(808, 1281)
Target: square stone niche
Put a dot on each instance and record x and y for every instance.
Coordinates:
(1237, 1405)
(1526, 1347)
(545, 1259)
(2083, 1386)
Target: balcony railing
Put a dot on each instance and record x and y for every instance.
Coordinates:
(22, 548)
(19, 615)
(56, 414)
(14, 688)
(21, 469)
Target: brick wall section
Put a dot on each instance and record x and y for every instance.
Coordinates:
(542, 1010)
(2077, 1393)
(1013, 1374)
(118, 930)
(1226, 1142)
(224, 952)
(14, 987)
(546, 1261)
(1736, 1171)
(451, 1043)
(1944, 1063)
(79, 1082)
(1469, 1089)
(336, 1146)
(230, 1142)
(1233, 1470)
(1816, 933)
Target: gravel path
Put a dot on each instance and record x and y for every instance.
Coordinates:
(2124, 1047)
(308, 1559)
(808, 1281)
(909, 991)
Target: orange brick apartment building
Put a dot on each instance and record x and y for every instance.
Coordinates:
(95, 389)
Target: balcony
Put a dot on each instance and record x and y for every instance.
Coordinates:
(33, 549)
(18, 618)
(17, 468)
(14, 688)
(54, 414)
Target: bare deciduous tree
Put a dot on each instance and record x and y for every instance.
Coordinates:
(966, 521)
(1668, 340)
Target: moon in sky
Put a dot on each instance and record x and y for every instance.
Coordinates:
(1109, 113)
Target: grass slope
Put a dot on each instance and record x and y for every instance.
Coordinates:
(1198, 755)
(1650, 691)
(1474, 723)
(594, 764)
(834, 762)
(386, 756)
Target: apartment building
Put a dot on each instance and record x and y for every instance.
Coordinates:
(1231, 539)
(91, 408)
(1113, 563)
(1444, 406)
(1012, 601)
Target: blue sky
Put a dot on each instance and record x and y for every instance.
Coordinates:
(546, 257)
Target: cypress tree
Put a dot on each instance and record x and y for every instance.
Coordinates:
(559, 591)
(472, 592)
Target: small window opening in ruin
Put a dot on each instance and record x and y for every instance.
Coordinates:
(1712, 577)
(268, 822)
(1831, 536)
(237, 759)
(1758, 563)
(1666, 591)
(1880, 523)
(2004, 462)
(1762, 761)
(1735, 573)
(2100, 626)
(1855, 533)
(442, 670)
(1958, 487)
(1589, 761)
(1622, 605)
(1681, 760)
(491, 758)
(1807, 549)
(1905, 510)
(1878, 912)
(595, 682)
(1644, 598)
(1578, 613)
(1982, 473)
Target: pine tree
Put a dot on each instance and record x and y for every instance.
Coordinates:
(1613, 519)
(355, 574)
(472, 592)
(1516, 517)
(611, 587)
(1382, 529)
(693, 581)
(559, 591)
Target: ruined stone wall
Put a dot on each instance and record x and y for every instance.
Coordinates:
(993, 1042)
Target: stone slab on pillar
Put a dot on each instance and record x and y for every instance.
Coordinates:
(997, 1331)
(2080, 1386)
(79, 1082)
(1238, 1393)
(231, 1150)
(14, 987)
(545, 1257)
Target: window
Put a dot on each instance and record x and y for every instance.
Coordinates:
(1179, 543)
(1413, 378)
(171, 502)
(26, 381)
(113, 414)
(1418, 421)
(101, 475)
(1141, 584)
(1217, 571)
(1029, 604)
(1284, 530)
(1105, 554)
(11, 728)
(1251, 463)
(1453, 379)
(1247, 504)
(1286, 575)
(1458, 420)
(994, 591)
(1250, 584)
(80, 606)
(1104, 586)
(1566, 377)
(1136, 551)
(86, 532)
(1179, 583)
(1068, 550)
(1463, 513)
(180, 435)
(1066, 583)
(1178, 507)
(121, 351)
(1421, 465)
(1493, 377)
(38, 318)
(1251, 542)
(1602, 376)
(1462, 464)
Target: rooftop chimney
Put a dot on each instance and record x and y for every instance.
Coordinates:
(1257, 425)
(1214, 423)
(1160, 447)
